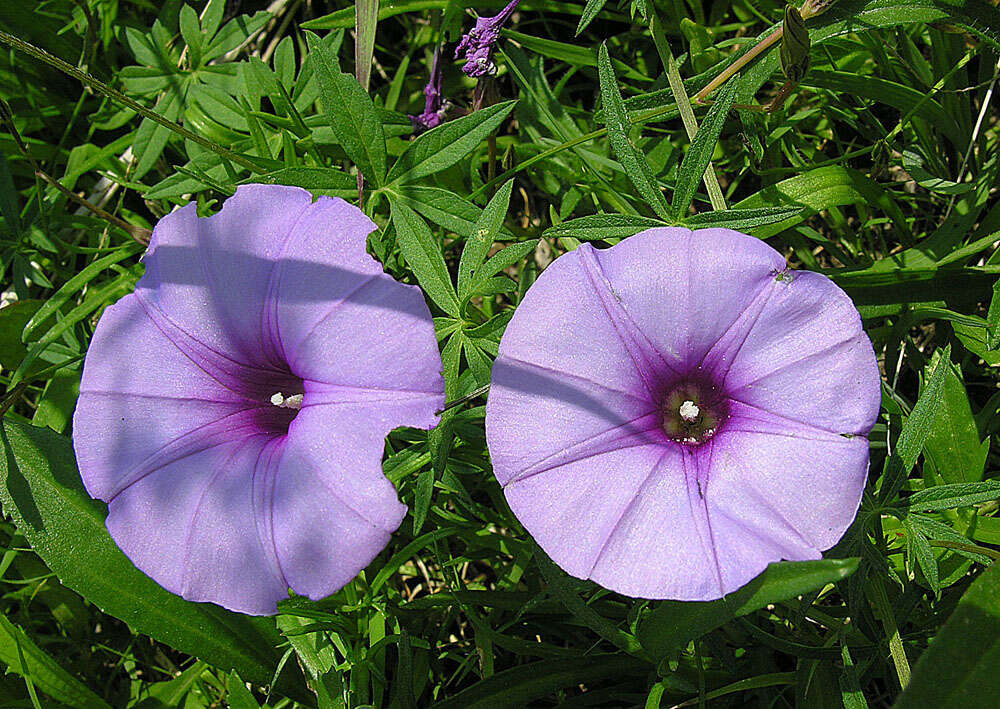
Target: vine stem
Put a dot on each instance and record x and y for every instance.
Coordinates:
(115, 95)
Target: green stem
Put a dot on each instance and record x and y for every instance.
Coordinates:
(884, 609)
(684, 106)
(105, 90)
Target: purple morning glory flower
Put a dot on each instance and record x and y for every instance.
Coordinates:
(478, 43)
(670, 415)
(435, 106)
(233, 409)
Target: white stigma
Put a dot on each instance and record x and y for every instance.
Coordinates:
(689, 411)
(292, 402)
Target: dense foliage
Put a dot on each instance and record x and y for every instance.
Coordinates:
(877, 165)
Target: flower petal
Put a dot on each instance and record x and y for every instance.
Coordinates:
(343, 321)
(684, 290)
(191, 525)
(211, 276)
(562, 327)
(139, 392)
(788, 491)
(540, 419)
(807, 358)
(661, 546)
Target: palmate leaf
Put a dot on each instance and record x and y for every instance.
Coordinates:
(442, 147)
(422, 253)
(41, 490)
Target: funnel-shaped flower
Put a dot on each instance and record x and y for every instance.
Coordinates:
(477, 45)
(671, 414)
(233, 409)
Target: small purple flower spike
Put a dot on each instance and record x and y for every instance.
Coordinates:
(478, 43)
(435, 106)
(233, 409)
(670, 415)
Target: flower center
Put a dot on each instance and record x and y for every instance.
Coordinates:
(693, 411)
(290, 402)
(281, 394)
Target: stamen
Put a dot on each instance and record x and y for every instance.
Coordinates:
(292, 402)
(689, 411)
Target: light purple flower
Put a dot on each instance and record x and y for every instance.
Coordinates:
(670, 415)
(478, 43)
(233, 409)
(435, 106)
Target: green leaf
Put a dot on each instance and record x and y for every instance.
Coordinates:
(822, 188)
(234, 33)
(41, 490)
(590, 11)
(699, 155)
(916, 430)
(597, 227)
(570, 53)
(366, 21)
(921, 550)
(422, 253)
(310, 178)
(13, 318)
(191, 32)
(75, 284)
(673, 624)
(237, 694)
(953, 445)
(993, 320)
(151, 138)
(351, 114)
(959, 669)
(521, 685)
(944, 497)
(442, 147)
(479, 241)
(745, 220)
(22, 656)
(794, 50)
(500, 261)
(632, 159)
(10, 208)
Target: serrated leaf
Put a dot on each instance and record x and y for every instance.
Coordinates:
(699, 155)
(479, 241)
(442, 147)
(351, 114)
(744, 220)
(422, 254)
(921, 550)
(633, 161)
